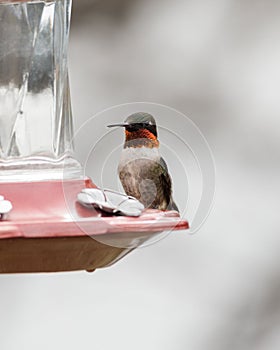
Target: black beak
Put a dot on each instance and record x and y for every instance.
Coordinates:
(113, 125)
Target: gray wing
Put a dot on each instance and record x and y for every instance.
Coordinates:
(163, 164)
(167, 186)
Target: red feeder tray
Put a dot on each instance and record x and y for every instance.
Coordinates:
(49, 231)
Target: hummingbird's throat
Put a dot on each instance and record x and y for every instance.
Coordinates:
(140, 138)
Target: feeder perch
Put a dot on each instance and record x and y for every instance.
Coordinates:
(43, 228)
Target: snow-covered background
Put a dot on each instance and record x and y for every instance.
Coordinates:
(217, 62)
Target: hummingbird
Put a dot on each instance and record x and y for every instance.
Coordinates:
(142, 171)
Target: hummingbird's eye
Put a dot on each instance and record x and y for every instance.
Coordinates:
(137, 126)
(131, 127)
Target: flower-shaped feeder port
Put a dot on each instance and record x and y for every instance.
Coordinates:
(43, 227)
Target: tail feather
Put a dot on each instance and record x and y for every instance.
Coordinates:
(172, 206)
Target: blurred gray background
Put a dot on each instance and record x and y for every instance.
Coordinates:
(217, 62)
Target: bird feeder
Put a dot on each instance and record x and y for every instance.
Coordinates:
(43, 228)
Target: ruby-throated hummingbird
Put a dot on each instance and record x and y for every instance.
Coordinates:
(142, 171)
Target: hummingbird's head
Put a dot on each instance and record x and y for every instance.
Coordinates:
(140, 130)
